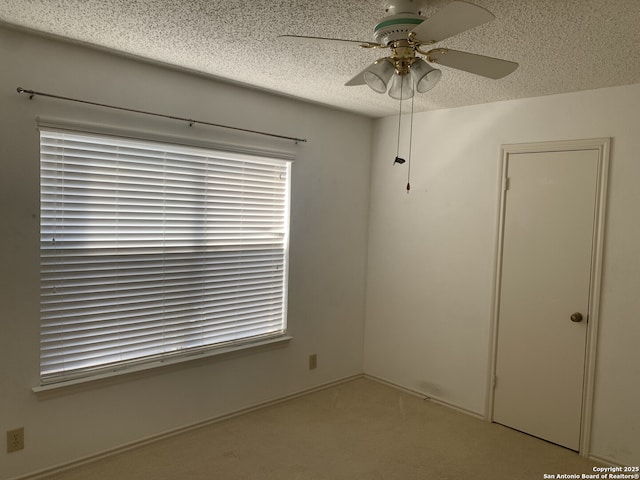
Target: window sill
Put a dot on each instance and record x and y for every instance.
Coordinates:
(131, 369)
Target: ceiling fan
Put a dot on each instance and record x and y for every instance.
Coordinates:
(406, 33)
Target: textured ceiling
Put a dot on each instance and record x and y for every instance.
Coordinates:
(561, 45)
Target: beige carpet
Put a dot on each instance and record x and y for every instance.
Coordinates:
(357, 430)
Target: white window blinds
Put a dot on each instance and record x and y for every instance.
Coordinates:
(151, 250)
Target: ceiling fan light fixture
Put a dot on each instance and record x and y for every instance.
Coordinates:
(377, 75)
(401, 87)
(425, 77)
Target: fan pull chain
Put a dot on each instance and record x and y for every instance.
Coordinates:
(410, 144)
(398, 159)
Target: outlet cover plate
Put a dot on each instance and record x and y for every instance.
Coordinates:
(15, 440)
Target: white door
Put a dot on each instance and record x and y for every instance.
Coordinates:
(548, 235)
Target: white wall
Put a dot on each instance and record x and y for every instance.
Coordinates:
(327, 271)
(431, 253)
(430, 261)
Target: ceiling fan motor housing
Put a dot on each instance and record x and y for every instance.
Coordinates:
(396, 27)
(393, 7)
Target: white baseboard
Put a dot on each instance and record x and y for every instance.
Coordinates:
(41, 474)
(596, 458)
(610, 462)
(425, 396)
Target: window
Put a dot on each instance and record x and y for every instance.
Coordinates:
(152, 250)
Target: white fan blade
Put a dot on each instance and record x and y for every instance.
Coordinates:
(452, 19)
(470, 62)
(329, 41)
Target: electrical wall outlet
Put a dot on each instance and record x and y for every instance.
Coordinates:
(313, 361)
(15, 440)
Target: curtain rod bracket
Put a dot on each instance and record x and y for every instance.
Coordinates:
(33, 93)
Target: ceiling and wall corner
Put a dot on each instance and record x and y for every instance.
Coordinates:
(561, 46)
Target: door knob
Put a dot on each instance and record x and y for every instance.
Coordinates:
(576, 317)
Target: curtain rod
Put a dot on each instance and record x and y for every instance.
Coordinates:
(191, 122)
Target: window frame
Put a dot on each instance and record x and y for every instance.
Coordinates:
(105, 371)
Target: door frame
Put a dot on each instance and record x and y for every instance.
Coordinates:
(603, 147)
